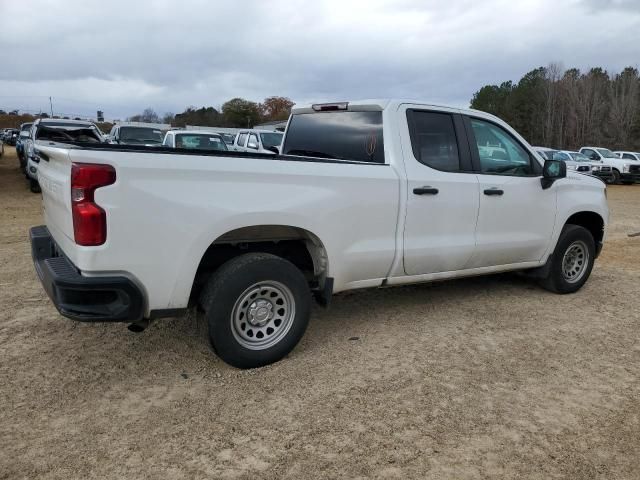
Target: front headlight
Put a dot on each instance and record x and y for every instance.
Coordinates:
(625, 168)
(595, 168)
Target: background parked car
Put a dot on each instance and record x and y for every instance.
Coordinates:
(194, 139)
(54, 130)
(257, 141)
(625, 171)
(11, 137)
(150, 135)
(581, 163)
(628, 155)
(578, 162)
(23, 134)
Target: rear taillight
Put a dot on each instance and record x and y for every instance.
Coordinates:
(89, 220)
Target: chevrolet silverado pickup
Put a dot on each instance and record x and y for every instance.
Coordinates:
(360, 194)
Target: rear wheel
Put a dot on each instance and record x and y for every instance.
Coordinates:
(572, 260)
(257, 308)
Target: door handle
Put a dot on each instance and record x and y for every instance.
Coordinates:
(493, 191)
(425, 191)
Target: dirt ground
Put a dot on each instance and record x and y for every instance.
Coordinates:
(484, 378)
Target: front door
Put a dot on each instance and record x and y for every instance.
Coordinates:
(443, 194)
(517, 215)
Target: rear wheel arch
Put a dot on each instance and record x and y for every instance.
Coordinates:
(298, 245)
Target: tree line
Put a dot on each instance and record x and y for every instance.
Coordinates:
(568, 109)
(236, 112)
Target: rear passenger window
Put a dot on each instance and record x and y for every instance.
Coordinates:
(433, 140)
(341, 135)
(242, 139)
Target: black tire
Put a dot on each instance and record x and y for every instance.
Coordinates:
(571, 235)
(221, 300)
(616, 177)
(34, 186)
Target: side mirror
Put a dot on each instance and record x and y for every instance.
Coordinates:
(553, 170)
(273, 148)
(253, 145)
(594, 156)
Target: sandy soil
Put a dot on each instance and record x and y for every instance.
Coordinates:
(484, 378)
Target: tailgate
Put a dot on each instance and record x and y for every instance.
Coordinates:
(54, 176)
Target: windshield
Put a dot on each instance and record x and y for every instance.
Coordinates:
(140, 135)
(561, 156)
(271, 139)
(228, 138)
(68, 132)
(547, 154)
(606, 153)
(200, 141)
(26, 126)
(579, 157)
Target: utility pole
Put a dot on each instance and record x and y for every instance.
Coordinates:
(51, 105)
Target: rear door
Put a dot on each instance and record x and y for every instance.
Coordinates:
(517, 216)
(442, 191)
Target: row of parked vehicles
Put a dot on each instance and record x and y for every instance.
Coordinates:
(612, 167)
(134, 134)
(9, 136)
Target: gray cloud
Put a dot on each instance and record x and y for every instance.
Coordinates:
(123, 56)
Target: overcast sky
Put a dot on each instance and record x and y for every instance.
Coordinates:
(122, 56)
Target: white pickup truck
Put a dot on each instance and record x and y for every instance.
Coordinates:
(363, 194)
(625, 170)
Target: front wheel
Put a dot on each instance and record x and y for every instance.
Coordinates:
(615, 177)
(572, 260)
(257, 307)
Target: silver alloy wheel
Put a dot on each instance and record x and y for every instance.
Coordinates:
(575, 261)
(263, 315)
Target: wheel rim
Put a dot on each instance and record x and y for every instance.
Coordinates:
(575, 261)
(263, 315)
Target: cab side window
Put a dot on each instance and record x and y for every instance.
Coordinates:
(499, 152)
(242, 138)
(253, 141)
(628, 156)
(433, 140)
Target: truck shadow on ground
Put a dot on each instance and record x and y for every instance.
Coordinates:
(185, 339)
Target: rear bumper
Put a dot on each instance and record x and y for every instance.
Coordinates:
(87, 299)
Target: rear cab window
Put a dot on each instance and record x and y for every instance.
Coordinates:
(336, 135)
